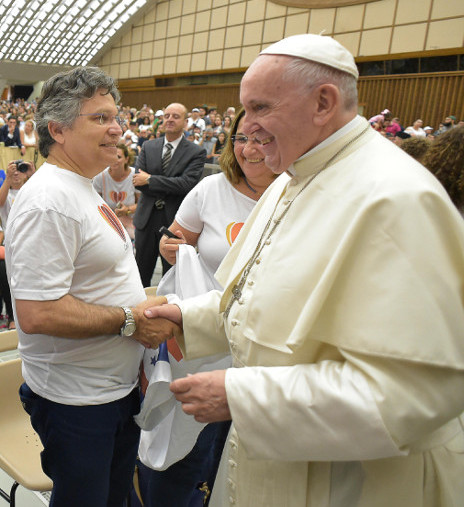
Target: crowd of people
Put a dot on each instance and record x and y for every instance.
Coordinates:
(333, 265)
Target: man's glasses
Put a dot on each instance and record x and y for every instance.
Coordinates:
(105, 118)
(242, 140)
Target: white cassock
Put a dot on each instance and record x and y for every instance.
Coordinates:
(347, 339)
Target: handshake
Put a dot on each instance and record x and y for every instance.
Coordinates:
(156, 321)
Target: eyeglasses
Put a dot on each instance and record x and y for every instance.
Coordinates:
(105, 118)
(242, 140)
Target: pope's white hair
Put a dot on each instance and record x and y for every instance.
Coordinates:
(309, 75)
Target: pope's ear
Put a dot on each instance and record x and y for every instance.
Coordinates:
(328, 101)
(56, 131)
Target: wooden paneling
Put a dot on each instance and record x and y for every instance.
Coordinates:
(222, 96)
(430, 97)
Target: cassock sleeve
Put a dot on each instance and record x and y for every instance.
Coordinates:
(359, 409)
(203, 326)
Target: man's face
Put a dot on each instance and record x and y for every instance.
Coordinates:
(195, 115)
(12, 124)
(174, 121)
(278, 113)
(88, 145)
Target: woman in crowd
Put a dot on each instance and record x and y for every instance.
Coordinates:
(16, 177)
(115, 185)
(146, 124)
(445, 159)
(219, 146)
(217, 125)
(227, 122)
(29, 137)
(209, 218)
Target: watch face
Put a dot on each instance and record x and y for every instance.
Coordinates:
(129, 329)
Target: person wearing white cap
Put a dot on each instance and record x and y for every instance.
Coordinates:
(196, 121)
(342, 307)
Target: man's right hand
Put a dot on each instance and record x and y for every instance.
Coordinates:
(153, 331)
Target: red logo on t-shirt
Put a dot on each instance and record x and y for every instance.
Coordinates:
(112, 219)
(118, 196)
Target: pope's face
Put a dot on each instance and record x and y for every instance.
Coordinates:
(278, 113)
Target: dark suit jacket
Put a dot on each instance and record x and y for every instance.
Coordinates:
(182, 174)
(16, 141)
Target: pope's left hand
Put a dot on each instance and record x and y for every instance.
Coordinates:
(203, 395)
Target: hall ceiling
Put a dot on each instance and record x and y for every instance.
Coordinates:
(39, 38)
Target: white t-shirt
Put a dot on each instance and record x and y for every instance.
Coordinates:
(217, 210)
(5, 209)
(199, 122)
(420, 132)
(114, 191)
(64, 239)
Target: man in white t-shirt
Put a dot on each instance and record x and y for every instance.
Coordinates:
(195, 120)
(78, 299)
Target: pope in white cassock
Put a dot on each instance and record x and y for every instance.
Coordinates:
(343, 308)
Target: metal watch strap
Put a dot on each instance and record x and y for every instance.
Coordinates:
(128, 328)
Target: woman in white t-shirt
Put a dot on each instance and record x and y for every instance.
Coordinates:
(210, 217)
(28, 134)
(115, 185)
(213, 212)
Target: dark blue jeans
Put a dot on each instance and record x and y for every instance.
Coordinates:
(89, 451)
(177, 485)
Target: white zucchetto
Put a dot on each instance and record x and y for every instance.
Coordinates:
(317, 48)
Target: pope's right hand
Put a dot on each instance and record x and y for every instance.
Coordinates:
(151, 332)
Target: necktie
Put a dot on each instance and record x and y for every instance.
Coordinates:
(166, 157)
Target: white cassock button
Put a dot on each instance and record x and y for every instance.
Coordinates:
(241, 301)
(258, 260)
(268, 241)
(234, 322)
(232, 500)
(250, 283)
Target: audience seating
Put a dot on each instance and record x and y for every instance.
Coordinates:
(20, 446)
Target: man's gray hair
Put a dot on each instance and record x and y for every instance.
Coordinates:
(310, 75)
(62, 97)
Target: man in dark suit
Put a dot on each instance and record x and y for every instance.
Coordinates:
(166, 170)
(9, 134)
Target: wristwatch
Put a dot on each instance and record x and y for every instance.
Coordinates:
(129, 327)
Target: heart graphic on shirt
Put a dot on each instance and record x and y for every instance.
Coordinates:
(112, 220)
(232, 231)
(118, 196)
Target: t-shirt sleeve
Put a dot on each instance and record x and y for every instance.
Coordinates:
(189, 213)
(42, 248)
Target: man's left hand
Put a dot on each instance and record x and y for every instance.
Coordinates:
(140, 178)
(203, 395)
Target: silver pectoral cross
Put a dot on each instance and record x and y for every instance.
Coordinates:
(236, 295)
